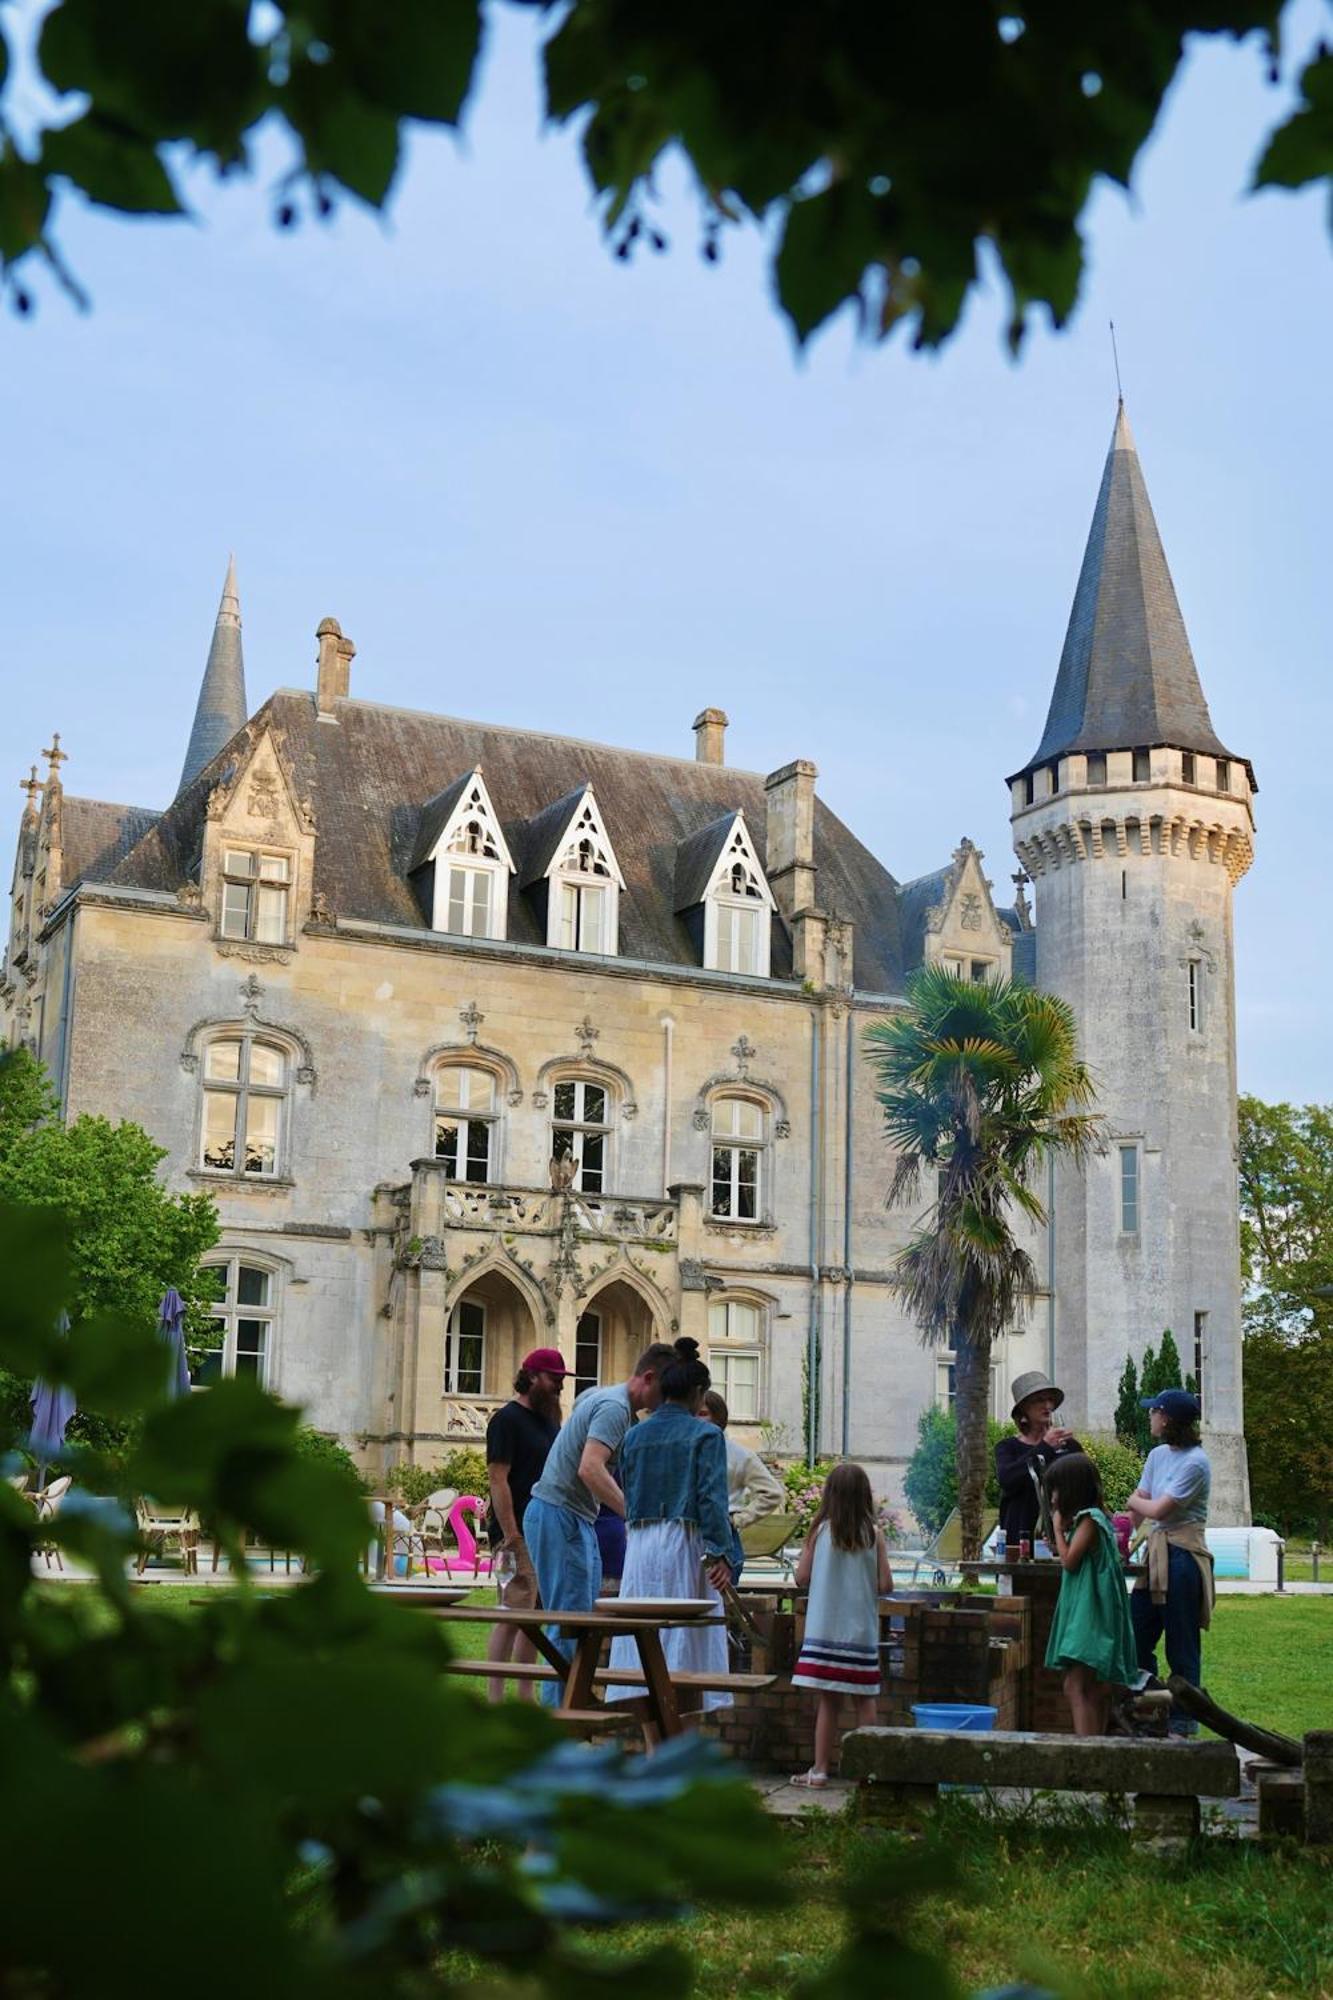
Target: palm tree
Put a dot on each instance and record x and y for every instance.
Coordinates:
(981, 1082)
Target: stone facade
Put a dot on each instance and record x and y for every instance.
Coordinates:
(484, 1040)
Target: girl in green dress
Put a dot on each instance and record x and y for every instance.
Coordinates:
(1092, 1636)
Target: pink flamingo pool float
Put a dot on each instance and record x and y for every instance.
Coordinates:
(469, 1561)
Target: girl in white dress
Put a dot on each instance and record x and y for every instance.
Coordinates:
(674, 1472)
(845, 1566)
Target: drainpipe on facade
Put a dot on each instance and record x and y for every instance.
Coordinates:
(1050, 1268)
(816, 1302)
(847, 1169)
(67, 1017)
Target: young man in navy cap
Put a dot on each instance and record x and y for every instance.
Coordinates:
(518, 1442)
(1175, 1597)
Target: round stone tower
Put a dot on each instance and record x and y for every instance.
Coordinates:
(1135, 823)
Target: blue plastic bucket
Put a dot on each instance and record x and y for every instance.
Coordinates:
(953, 1715)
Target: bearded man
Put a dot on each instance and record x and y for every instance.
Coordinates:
(518, 1439)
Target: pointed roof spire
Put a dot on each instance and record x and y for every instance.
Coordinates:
(1127, 677)
(221, 708)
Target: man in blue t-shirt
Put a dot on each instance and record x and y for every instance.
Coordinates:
(1175, 1596)
(577, 1479)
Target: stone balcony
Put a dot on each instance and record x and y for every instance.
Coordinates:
(488, 1206)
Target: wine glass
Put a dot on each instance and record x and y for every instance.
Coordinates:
(504, 1568)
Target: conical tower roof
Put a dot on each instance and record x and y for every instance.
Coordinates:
(1127, 677)
(221, 708)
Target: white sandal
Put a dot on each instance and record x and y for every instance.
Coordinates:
(813, 1781)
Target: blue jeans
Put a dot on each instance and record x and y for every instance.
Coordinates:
(568, 1563)
(1178, 1618)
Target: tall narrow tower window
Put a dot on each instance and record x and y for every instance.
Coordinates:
(1200, 1342)
(1142, 767)
(1187, 776)
(1129, 1190)
(1097, 768)
(1223, 775)
(1194, 995)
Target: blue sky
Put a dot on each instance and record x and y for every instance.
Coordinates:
(543, 487)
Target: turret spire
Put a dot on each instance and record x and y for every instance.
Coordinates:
(1127, 677)
(221, 709)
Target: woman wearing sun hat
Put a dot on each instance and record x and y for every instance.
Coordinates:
(1021, 1462)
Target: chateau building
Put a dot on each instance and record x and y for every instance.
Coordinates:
(484, 1039)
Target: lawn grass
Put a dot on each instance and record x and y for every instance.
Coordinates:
(1068, 1903)
(1270, 1660)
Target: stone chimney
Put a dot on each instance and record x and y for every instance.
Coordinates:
(710, 735)
(789, 859)
(335, 666)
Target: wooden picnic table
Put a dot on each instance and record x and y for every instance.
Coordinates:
(578, 1671)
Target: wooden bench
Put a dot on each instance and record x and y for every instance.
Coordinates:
(901, 1769)
(536, 1670)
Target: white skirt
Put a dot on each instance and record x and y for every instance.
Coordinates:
(666, 1559)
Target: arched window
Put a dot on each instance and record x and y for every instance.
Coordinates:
(740, 1137)
(465, 1349)
(581, 1113)
(244, 1322)
(467, 1122)
(736, 1342)
(246, 1081)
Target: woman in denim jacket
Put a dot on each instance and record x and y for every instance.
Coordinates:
(674, 1471)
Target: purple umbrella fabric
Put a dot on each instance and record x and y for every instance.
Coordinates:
(171, 1327)
(52, 1407)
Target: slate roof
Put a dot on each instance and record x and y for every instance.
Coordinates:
(1127, 678)
(95, 837)
(221, 708)
(372, 778)
(435, 816)
(915, 900)
(697, 857)
(543, 835)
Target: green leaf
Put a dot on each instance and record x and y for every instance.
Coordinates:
(343, 135)
(111, 165)
(34, 1259)
(1302, 149)
(187, 72)
(415, 59)
(191, 1451)
(115, 1365)
(829, 240)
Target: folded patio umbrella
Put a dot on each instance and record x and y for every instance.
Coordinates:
(52, 1407)
(171, 1327)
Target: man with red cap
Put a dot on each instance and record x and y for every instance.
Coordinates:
(518, 1438)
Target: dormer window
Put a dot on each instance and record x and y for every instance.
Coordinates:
(583, 881)
(462, 843)
(737, 915)
(255, 892)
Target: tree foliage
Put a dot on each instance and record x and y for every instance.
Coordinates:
(1286, 1212)
(930, 1482)
(980, 1084)
(129, 1238)
(883, 149)
(359, 1814)
(1289, 1428)
(1286, 1245)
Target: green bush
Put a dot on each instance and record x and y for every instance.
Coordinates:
(318, 1448)
(464, 1470)
(1119, 1464)
(931, 1480)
